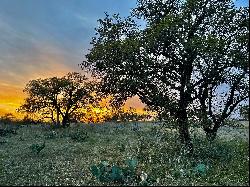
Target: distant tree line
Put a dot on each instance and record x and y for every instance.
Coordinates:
(71, 98)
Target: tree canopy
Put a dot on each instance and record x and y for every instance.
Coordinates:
(186, 49)
(57, 98)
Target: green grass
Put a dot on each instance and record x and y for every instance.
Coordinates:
(69, 153)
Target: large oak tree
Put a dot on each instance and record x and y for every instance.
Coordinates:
(184, 47)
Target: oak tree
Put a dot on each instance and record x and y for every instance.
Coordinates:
(183, 47)
(57, 98)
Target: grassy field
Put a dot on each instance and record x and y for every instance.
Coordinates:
(69, 154)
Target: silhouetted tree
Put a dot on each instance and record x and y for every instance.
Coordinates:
(184, 46)
(58, 97)
(29, 119)
(219, 99)
(121, 114)
(8, 118)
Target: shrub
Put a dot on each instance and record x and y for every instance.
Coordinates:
(79, 136)
(51, 135)
(3, 141)
(7, 131)
(37, 148)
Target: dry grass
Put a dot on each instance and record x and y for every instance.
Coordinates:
(66, 160)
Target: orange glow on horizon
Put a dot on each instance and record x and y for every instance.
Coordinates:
(11, 87)
(49, 61)
(11, 98)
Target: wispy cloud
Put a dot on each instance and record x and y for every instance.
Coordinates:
(43, 38)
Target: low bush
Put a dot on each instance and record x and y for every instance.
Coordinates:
(7, 131)
(37, 148)
(79, 135)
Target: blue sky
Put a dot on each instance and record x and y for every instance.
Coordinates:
(41, 38)
(38, 34)
(239, 3)
(46, 35)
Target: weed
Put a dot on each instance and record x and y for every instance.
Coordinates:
(51, 135)
(7, 131)
(3, 141)
(37, 148)
(79, 136)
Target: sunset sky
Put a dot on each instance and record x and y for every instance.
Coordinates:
(44, 38)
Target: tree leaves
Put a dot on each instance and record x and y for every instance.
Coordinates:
(185, 50)
(58, 96)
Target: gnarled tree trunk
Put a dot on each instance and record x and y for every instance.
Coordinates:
(211, 132)
(65, 121)
(57, 119)
(184, 134)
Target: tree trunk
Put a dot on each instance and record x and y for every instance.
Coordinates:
(185, 138)
(57, 118)
(65, 121)
(211, 133)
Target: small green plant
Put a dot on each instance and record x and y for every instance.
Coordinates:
(21, 138)
(37, 148)
(79, 136)
(7, 131)
(122, 147)
(3, 141)
(51, 135)
(200, 169)
(107, 173)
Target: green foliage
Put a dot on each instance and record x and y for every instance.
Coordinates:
(131, 163)
(8, 118)
(79, 135)
(186, 52)
(106, 173)
(126, 115)
(37, 148)
(3, 141)
(163, 161)
(244, 112)
(7, 131)
(200, 169)
(28, 120)
(51, 135)
(122, 147)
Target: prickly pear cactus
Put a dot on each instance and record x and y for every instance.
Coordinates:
(200, 169)
(106, 173)
(132, 163)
